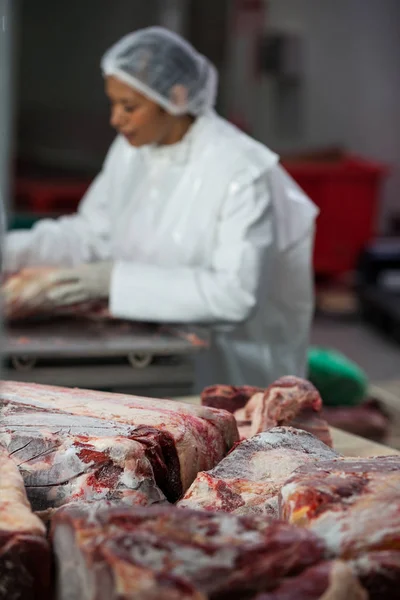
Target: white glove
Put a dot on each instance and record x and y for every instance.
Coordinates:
(80, 284)
(41, 290)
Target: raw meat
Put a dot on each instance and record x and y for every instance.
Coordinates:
(331, 580)
(366, 420)
(228, 397)
(282, 402)
(14, 287)
(249, 479)
(164, 553)
(354, 504)
(198, 436)
(24, 552)
(288, 401)
(30, 435)
(62, 459)
(379, 573)
(314, 423)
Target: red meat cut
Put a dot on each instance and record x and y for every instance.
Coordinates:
(340, 499)
(249, 479)
(354, 505)
(331, 580)
(380, 573)
(228, 397)
(366, 420)
(197, 436)
(289, 401)
(164, 553)
(62, 459)
(13, 290)
(24, 552)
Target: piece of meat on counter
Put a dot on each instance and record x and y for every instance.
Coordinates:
(228, 397)
(201, 436)
(63, 458)
(24, 552)
(342, 500)
(249, 479)
(161, 552)
(380, 573)
(289, 401)
(367, 420)
(330, 580)
(354, 505)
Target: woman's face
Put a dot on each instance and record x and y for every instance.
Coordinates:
(136, 117)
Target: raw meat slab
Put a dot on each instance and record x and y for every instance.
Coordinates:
(24, 552)
(289, 401)
(63, 458)
(342, 501)
(380, 573)
(201, 436)
(354, 505)
(330, 580)
(167, 553)
(228, 397)
(249, 479)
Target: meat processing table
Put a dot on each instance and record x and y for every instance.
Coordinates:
(147, 359)
(347, 444)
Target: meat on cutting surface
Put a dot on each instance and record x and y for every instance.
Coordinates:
(156, 553)
(24, 552)
(367, 420)
(201, 436)
(228, 397)
(249, 479)
(342, 500)
(63, 458)
(282, 402)
(289, 401)
(380, 573)
(354, 505)
(330, 580)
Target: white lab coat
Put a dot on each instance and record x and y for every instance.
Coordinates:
(210, 230)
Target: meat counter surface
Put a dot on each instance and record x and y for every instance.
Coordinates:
(104, 353)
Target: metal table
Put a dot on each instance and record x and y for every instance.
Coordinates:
(114, 355)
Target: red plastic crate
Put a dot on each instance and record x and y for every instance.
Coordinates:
(49, 195)
(347, 192)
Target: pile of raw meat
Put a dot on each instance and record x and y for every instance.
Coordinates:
(104, 496)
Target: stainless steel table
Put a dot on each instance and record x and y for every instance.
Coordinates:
(115, 355)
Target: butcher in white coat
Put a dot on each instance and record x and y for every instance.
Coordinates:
(189, 221)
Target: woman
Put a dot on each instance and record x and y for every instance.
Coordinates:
(189, 221)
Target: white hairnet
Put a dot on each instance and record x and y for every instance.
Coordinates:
(165, 68)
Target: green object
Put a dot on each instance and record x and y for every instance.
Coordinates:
(339, 381)
(22, 221)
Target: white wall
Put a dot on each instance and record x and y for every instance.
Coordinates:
(351, 86)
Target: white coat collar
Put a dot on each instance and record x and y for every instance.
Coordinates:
(178, 153)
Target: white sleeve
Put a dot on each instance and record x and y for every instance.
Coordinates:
(68, 241)
(225, 292)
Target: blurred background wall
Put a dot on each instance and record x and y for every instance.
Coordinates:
(342, 87)
(7, 63)
(348, 93)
